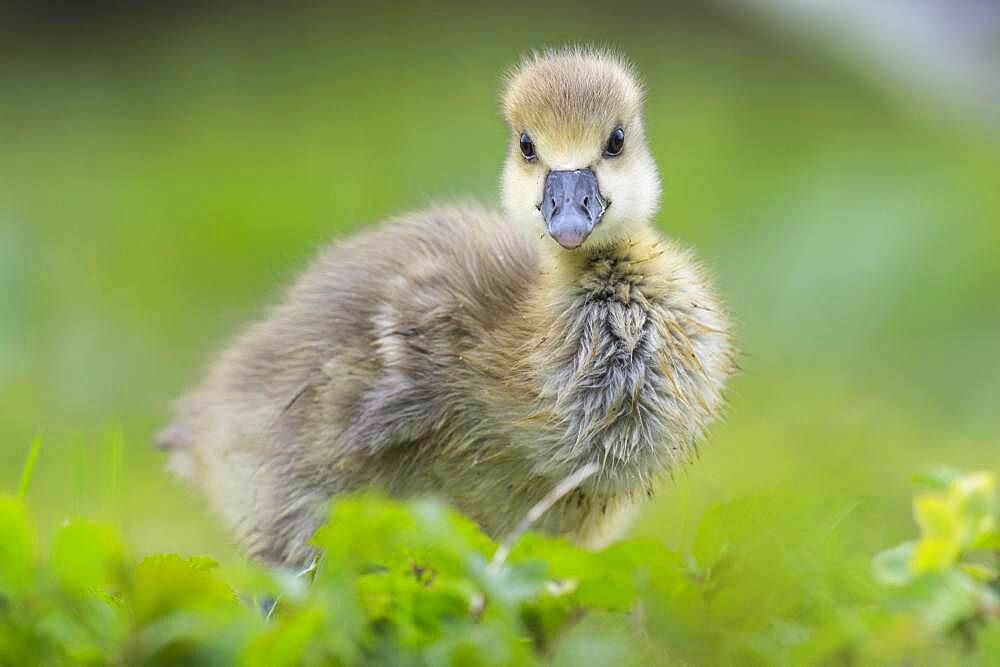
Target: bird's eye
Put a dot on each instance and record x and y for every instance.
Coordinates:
(528, 147)
(616, 142)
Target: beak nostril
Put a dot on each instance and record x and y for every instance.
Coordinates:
(571, 205)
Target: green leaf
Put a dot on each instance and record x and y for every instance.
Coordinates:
(508, 586)
(937, 478)
(87, 554)
(975, 496)
(981, 572)
(941, 599)
(485, 643)
(934, 553)
(941, 525)
(988, 540)
(937, 517)
(16, 546)
(169, 583)
(600, 639)
(892, 566)
(977, 488)
(288, 641)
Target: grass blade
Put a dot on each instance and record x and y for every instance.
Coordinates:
(29, 467)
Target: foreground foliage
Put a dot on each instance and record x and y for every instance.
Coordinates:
(416, 583)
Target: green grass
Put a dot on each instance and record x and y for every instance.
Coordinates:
(160, 181)
(29, 467)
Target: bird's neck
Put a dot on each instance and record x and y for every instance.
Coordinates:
(613, 263)
(591, 352)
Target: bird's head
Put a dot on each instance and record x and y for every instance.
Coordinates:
(579, 167)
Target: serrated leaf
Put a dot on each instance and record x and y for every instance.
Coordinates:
(364, 530)
(168, 583)
(368, 530)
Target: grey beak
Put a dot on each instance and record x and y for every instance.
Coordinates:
(571, 205)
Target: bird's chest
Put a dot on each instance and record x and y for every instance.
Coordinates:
(608, 383)
(610, 341)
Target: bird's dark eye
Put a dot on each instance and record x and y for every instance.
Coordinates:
(616, 142)
(527, 147)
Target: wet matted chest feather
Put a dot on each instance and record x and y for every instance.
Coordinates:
(629, 383)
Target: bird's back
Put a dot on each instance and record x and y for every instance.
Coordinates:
(359, 353)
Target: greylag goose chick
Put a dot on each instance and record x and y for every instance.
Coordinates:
(478, 355)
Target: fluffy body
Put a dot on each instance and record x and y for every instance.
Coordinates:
(454, 352)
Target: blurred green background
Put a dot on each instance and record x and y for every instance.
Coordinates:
(166, 169)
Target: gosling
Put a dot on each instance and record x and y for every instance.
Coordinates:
(478, 355)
